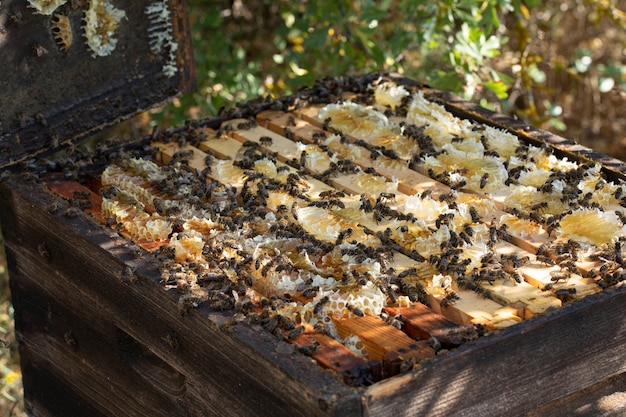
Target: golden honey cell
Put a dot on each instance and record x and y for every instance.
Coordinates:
(62, 31)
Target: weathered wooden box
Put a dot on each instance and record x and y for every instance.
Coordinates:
(100, 334)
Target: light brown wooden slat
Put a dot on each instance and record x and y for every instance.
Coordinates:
(533, 301)
(422, 322)
(302, 129)
(66, 189)
(329, 353)
(309, 114)
(525, 299)
(535, 276)
(382, 340)
(472, 308)
(411, 182)
(168, 150)
(540, 276)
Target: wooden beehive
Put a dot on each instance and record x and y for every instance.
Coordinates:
(103, 331)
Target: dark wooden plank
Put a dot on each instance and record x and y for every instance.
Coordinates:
(518, 369)
(223, 368)
(606, 398)
(94, 367)
(52, 96)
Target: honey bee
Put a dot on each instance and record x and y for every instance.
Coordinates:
(513, 260)
(407, 272)
(397, 321)
(294, 210)
(355, 310)
(43, 250)
(247, 125)
(449, 299)
(387, 196)
(453, 242)
(545, 260)
(172, 341)
(444, 219)
(70, 339)
(366, 204)
(326, 123)
(342, 235)
(71, 212)
(426, 193)
(415, 291)
(465, 237)
(288, 133)
(448, 197)
(539, 206)
(434, 343)
(565, 294)
(308, 350)
(128, 275)
(483, 180)
(332, 194)
(322, 328)
(52, 208)
(317, 308)
(457, 185)
(557, 276)
(295, 332)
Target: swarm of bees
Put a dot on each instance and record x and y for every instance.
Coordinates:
(295, 232)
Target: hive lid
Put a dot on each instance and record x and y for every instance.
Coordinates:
(71, 67)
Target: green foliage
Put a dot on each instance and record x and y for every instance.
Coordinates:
(484, 50)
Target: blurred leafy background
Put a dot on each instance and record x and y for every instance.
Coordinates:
(559, 65)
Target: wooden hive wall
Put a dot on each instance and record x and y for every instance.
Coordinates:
(533, 351)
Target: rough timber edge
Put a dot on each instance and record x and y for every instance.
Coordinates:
(497, 381)
(330, 88)
(494, 339)
(564, 147)
(326, 393)
(88, 116)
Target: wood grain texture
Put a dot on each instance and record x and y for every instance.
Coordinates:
(97, 341)
(120, 350)
(517, 369)
(69, 95)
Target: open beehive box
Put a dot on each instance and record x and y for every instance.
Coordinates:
(368, 246)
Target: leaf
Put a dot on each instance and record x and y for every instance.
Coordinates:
(558, 124)
(499, 88)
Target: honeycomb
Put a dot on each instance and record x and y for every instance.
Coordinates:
(303, 221)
